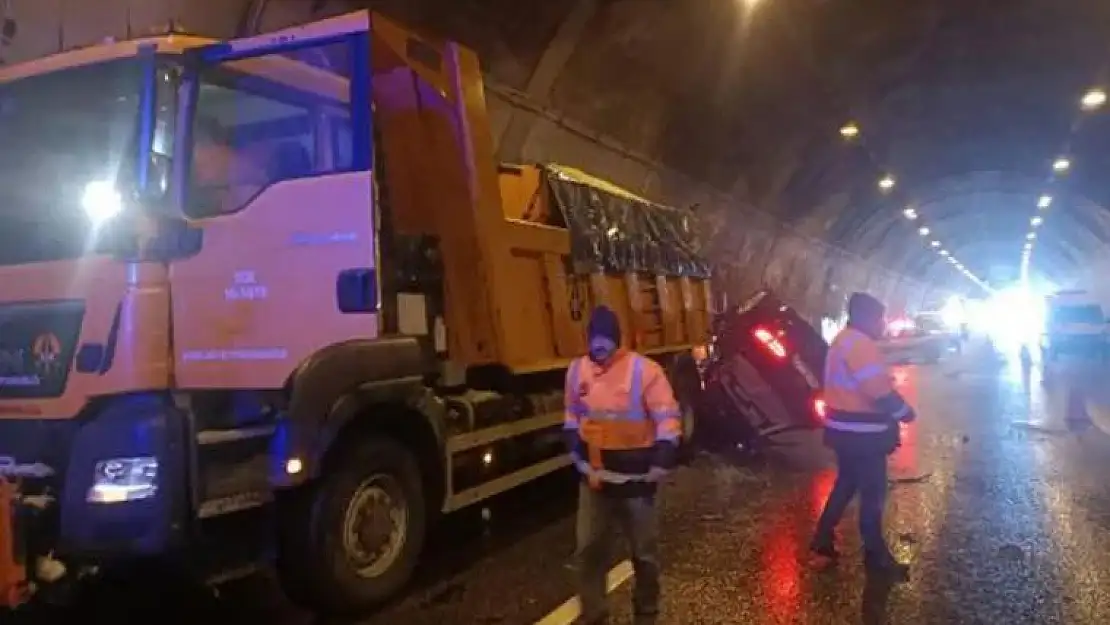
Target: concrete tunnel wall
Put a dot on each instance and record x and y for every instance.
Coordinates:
(749, 247)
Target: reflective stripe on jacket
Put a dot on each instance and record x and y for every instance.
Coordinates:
(856, 378)
(620, 414)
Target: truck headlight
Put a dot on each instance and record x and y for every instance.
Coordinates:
(117, 480)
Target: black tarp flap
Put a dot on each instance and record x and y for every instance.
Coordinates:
(612, 230)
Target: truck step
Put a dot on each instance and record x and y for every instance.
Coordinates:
(219, 437)
(236, 503)
(233, 470)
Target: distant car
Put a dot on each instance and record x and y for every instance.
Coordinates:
(1075, 324)
(921, 338)
(765, 369)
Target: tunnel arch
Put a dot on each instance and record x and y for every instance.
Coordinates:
(990, 204)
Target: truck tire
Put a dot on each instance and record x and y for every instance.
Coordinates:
(686, 382)
(352, 540)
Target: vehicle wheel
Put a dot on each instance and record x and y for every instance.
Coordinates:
(686, 383)
(352, 540)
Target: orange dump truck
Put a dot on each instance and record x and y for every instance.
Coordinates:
(265, 296)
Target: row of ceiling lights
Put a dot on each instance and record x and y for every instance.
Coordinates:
(1091, 101)
(851, 132)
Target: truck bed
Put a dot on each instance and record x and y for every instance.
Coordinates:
(577, 242)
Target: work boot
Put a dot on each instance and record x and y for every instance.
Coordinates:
(887, 566)
(822, 556)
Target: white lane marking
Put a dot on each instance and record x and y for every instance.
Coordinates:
(566, 613)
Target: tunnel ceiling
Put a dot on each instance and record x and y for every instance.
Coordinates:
(965, 101)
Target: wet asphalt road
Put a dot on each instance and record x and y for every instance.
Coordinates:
(1001, 504)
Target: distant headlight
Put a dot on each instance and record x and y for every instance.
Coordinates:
(119, 480)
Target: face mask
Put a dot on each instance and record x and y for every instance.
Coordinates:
(601, 349)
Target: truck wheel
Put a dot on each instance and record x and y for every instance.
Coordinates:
(353, 540)
(686, 383)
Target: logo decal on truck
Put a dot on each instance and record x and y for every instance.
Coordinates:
(323, 238)
(218, 355)
(245, 286)
(46, 351)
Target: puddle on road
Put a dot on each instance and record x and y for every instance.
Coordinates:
(1012, 553)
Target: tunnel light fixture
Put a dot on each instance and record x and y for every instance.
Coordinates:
(923, 231)
(1093, 99)
(849, 130)
(1044, 202)
(1036, 221)
(1031, 236)
(909, 213)
(943, 253)
(1061, 164)
(934, 243)
(886, 183)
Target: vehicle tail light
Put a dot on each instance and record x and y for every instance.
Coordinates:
(900, 326)
(820, 408)
(770, 342)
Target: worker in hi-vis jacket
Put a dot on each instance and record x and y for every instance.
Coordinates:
(862, 427)
(622, 428)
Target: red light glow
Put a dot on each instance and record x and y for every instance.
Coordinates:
(900, 326)
(820, 408)
(770, 342)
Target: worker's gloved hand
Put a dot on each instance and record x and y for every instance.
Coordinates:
(593, 480)
(908, 417)
(657, 474)
(584, 467)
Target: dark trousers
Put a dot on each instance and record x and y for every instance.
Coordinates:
(600, 516)
(863, 473)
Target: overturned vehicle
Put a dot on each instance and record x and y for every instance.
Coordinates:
(763, 373)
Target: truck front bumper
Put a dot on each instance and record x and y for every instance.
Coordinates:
(108, 486)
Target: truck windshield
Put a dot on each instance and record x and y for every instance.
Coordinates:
(64, 139)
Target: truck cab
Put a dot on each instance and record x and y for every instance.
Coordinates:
(263, 296)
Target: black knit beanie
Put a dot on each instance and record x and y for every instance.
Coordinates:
(604, 322)
(864, 309)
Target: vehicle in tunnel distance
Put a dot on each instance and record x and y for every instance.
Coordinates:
(206, 370)
(1075, 323)
(765, 371)
(924, 337)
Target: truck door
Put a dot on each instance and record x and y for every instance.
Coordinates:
(287, 265)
